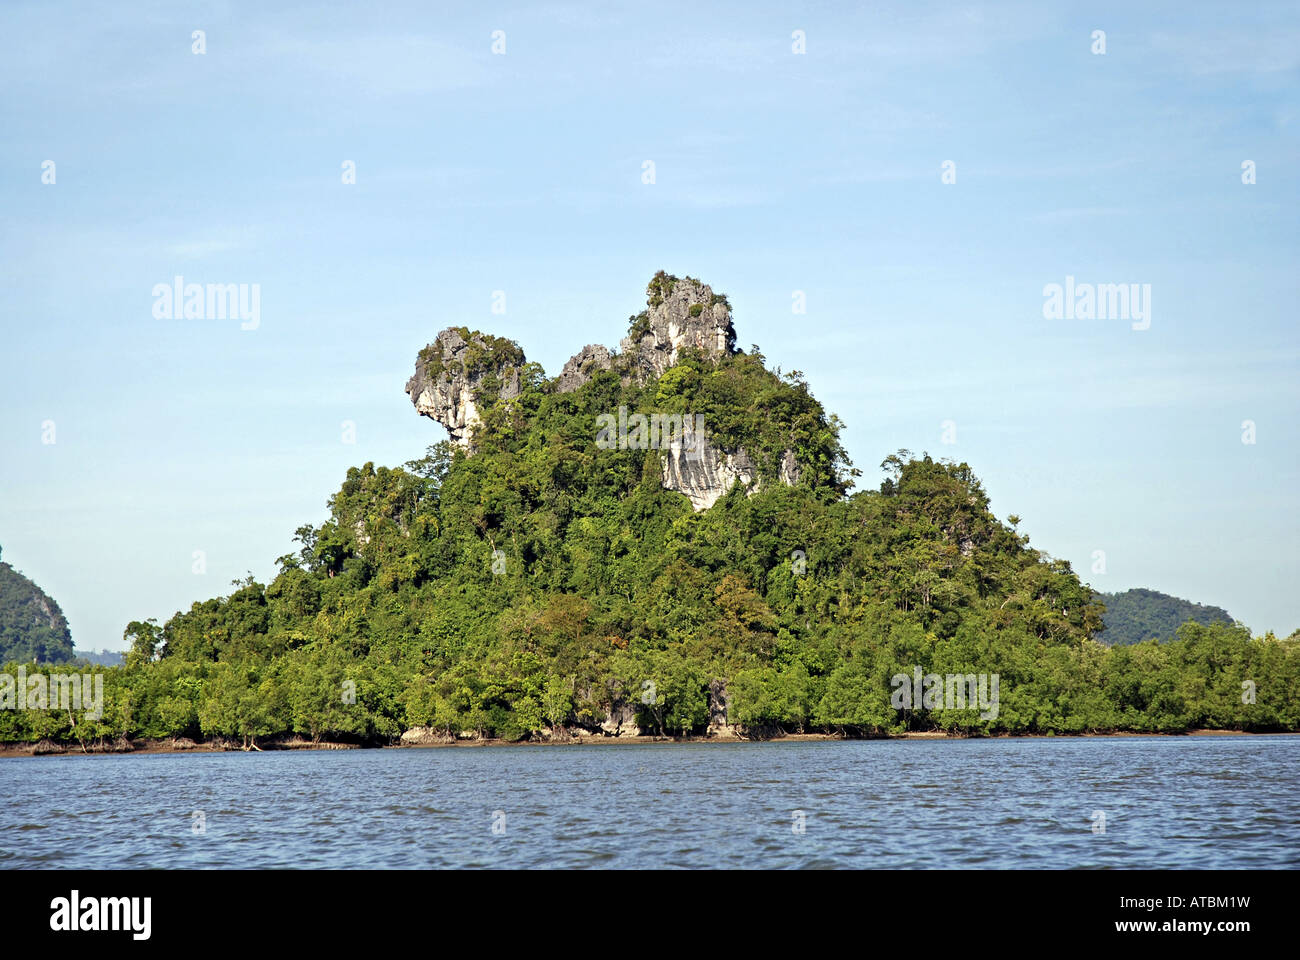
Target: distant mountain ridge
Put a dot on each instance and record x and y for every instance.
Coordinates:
(32, 627)
(105, 658)
(1141, 614)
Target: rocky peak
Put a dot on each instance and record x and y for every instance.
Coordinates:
(582, 365)
(461, 371)
(681, 313)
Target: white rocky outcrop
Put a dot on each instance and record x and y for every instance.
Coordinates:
(461, 370)
(450, 373)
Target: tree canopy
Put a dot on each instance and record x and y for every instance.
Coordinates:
(544, 584)
(32, 626)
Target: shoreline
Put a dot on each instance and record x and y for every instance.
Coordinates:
(168, 746)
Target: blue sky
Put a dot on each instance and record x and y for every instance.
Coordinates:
(774, 172)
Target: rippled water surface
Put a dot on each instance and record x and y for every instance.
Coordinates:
(1225, 802)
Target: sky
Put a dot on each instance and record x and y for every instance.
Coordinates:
(919, 174)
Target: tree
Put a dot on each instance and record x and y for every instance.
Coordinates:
(143, 638)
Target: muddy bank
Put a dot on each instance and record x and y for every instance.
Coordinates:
(818, 737)
(50, 748)
(47, 748)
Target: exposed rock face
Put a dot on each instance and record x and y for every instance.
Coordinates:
(582, 365)
(461, 371)
(418, 736)
(705, 473)
(789, 470)
(682, 313)
(719, 705)
(453, 373)
(621, 721)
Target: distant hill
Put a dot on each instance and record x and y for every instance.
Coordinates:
(1140, 614)
(32, 627)
(105, 658)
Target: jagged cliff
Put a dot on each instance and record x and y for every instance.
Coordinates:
(462, 373)
(455, 372)
(682, 313)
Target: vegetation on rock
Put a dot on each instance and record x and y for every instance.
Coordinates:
(543, 584)
(32, 627)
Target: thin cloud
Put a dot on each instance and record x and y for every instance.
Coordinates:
(1068, 214)
(1266, 51)
(387, 65)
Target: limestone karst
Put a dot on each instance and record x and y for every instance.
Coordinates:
(462, 372)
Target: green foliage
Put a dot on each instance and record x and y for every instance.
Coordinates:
(746, 406)
(544, 583)
(32, 627)
(1137, 615)
(638, 325)
(659, 288)
(486, 359)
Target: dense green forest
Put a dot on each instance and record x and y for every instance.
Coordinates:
(543, 585)
(1137, 615)
(32, 627)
